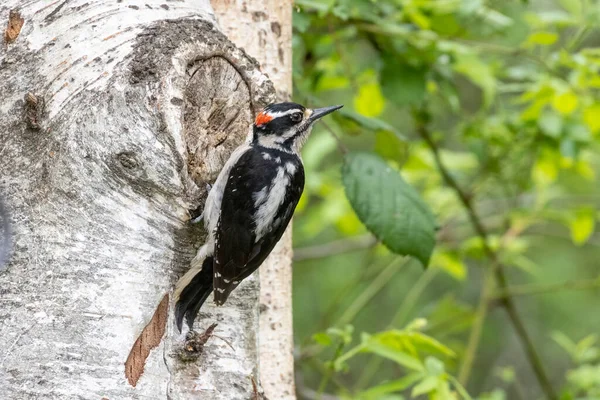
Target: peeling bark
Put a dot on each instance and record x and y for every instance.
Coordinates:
(112, 119)
(148, 340)
(15, 23)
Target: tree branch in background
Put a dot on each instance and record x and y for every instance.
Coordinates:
(341, 146)
(526, 290)
(497, 269)
(335, 247)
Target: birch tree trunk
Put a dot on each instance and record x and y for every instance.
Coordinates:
(114, 115)
(264, 29)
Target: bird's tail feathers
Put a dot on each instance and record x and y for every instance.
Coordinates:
(193, 289)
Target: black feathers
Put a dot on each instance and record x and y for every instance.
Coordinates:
(194, 295)
(277, 119)
(261, 194)
(282, 107)
(250, 205)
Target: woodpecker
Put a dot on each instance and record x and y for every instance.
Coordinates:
(249, 206)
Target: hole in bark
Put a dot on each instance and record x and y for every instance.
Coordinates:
(217, 115)
(148, 340)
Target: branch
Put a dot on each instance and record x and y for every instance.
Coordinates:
(532, 289)
(497, 268)
(341, 146)
(334, 248)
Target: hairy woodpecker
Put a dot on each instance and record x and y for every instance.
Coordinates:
(249, 206)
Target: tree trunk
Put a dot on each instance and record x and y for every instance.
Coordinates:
(264, 29)
(114, 115)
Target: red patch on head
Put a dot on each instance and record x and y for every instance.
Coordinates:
(262, 119)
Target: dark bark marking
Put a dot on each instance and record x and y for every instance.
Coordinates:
(258, 16)
(176, 101)
(5, 235)
(52, 16)
(149, 339)
(276, 28)
(256, 393)
(15, 23)
(33, 111)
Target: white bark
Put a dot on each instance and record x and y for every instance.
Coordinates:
(144, 101)
(264, 29)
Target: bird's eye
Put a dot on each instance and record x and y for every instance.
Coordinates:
(296, 117)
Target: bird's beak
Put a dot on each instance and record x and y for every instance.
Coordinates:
(319, 113)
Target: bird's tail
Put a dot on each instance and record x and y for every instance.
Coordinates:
(192, 290)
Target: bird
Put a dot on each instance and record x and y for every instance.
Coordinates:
(249, 206)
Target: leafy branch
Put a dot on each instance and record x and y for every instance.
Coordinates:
(496, 269)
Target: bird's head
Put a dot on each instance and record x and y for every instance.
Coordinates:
(286, 125)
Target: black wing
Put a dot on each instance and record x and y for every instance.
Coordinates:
(238, 253)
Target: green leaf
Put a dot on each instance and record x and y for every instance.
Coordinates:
(322, 6)
(322, 339)
(389, 207)
(582, 225)
(373, 124)
(412, 340)
(551, 124)
(565, 342)
(429, 344)
(425, 386)
(388, 146)
(542, 38)
(391, 387)
(399, 357)
(591, 116)
(403, 84)
(565, 103)
(451, 263)
(434, 366)
(332, 82)
(479, 73)
(572, 6)
(369, 101)
(301, 21)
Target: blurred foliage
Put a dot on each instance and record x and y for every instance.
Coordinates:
(457, 113)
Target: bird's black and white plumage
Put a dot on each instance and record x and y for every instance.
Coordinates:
(249, 206)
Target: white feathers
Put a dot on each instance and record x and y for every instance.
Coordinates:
(290, 168)
(195, 267)
(267, 210)
(259, 197)
(212, 209)
(277, 114)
